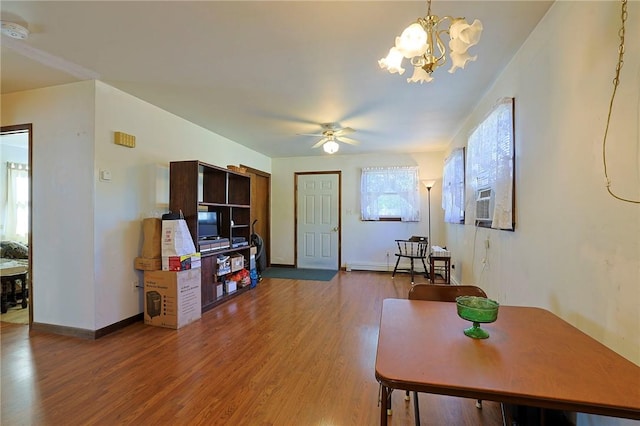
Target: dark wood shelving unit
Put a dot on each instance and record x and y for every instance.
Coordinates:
(197, 186)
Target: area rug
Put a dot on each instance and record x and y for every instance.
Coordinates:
(16, 315)
(299, 274)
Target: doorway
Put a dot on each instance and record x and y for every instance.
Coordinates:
(15, 229)
(317, 217)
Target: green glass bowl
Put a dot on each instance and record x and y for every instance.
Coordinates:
(477, 310)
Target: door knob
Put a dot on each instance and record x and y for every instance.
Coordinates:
(335, 229)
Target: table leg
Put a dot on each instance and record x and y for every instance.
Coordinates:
(384, 405)
(4, 302)
(432, 271)
(13, 300)
(25, 290)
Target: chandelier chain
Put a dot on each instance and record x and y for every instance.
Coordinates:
(616, 82)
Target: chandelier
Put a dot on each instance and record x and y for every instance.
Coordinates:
(421, 42)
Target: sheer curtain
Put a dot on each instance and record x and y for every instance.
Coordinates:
(490, 161)
(16, 222)
(390, 192)
(453, 187)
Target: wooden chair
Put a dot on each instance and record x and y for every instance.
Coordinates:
(443, 292)
(440, 293)
(412, 249)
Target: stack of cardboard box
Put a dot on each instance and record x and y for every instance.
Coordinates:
(172, 296)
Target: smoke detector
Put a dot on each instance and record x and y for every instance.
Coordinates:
(14, 30)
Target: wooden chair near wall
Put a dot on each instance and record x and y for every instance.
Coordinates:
(443, 292)
(415, 248)
(440, 293)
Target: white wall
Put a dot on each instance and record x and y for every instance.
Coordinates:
(364, 244)
(86, 232)
(575, 249)
(62, 222)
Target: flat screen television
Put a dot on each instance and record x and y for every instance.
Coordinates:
(208, 225)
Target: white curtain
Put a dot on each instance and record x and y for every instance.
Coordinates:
(503, 211)
(453, 187)
(490, 161)
(390, 192)
(16, 222)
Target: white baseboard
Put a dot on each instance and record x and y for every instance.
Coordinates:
(381, 267)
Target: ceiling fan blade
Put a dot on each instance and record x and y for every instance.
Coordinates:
(320, 142)
(310, 134)
(344, 131)
(348, 140)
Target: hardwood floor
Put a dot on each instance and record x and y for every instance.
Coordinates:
(286, 353)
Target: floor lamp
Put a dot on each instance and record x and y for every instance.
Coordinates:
(429, 184)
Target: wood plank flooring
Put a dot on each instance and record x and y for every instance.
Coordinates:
(286, 353)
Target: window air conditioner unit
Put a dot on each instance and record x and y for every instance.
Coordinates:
(484, 205)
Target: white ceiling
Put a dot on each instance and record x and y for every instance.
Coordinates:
(260, 73)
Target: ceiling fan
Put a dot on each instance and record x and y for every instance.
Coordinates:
(330, 135)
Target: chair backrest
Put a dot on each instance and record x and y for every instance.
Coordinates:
(443, 292)
(411, 248)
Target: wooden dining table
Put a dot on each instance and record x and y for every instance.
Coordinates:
(532, 357)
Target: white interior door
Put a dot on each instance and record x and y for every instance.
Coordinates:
(318, 220)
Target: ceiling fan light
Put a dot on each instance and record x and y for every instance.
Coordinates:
(331, 147)
(13, 30)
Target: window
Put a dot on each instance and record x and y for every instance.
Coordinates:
(390, 193)
(453, 187)
(490, 168)
(17, 207)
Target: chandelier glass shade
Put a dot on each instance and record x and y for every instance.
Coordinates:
(331, 147)
(421, 43)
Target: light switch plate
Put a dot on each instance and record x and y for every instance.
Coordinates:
(105, 175)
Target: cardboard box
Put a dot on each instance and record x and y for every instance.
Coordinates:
(237, 262)
(181, 263)
(237, 168)
(172, 299)
(230, 287)
(148, 264)
(253, 251)
(223, 265)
